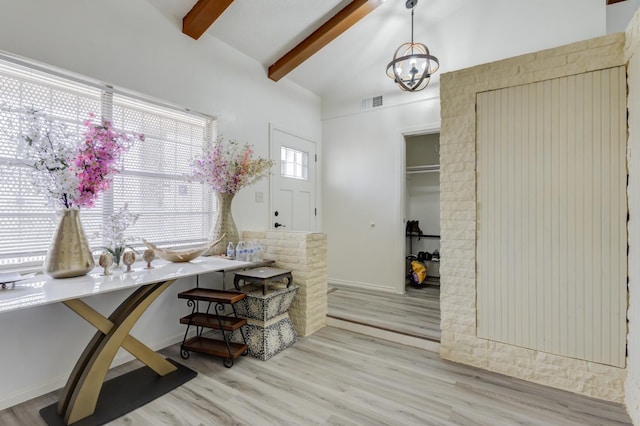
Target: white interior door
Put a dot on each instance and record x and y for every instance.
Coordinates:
(294, 184)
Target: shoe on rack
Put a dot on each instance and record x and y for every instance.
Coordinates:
(409, 229)
(416, 228)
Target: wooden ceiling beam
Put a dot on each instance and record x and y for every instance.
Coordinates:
(613, 1)
(329, 31)
(202, 16)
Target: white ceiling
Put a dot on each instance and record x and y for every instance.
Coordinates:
(460, 33)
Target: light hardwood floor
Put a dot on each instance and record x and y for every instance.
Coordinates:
(415, 313)
(336, 377)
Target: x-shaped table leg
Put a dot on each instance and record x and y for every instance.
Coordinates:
(80, 395)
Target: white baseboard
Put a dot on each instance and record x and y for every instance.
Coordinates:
(356, 284)
(27, 394)
(384, 334)
(59, 382)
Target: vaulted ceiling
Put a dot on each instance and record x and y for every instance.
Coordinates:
(205, 13)
(357, 54)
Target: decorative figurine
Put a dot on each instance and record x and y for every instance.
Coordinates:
(128, 258)
(106, 260)
(148, 256)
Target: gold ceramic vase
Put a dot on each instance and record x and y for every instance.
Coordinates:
(69, 254)
(224, 227)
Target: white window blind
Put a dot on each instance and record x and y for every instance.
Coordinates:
(171, 210)
(152, 179)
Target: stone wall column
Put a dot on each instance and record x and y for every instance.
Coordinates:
(305, 254)
(458, 202)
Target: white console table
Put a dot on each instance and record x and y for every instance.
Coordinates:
(79, 397)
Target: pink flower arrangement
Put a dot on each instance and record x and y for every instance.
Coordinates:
(227, 167)
(73, 173)
(95, 163)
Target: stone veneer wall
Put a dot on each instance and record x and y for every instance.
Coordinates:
(632, 56)
(305, 254)
(458, 219)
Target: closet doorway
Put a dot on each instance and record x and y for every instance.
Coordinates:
(416, 312)
(422, 231)
(422, 203)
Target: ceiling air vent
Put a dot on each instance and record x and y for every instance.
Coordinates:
(369, 103)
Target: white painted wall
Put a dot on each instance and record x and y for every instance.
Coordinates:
(361, 149)
(363, 169)
(468, 33)
(423, 194)
(131, 45)
(619, 15)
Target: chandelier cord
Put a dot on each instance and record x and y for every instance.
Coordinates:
(412, 9)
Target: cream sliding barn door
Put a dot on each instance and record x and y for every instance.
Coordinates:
(552, 211)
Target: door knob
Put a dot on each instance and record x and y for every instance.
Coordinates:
(277, 225)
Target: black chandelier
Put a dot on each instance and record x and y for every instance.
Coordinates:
(412, 65)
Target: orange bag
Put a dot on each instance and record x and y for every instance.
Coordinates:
(418, 272)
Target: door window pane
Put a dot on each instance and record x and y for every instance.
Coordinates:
(294, 163)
